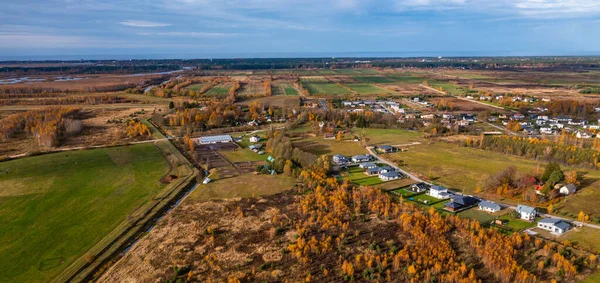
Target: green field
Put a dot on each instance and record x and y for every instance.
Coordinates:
(515, 224)
(425, 197)
(243, 155)
(55, 207)
(368, 181)
(320, 146)
(406, 79)
(284, 89)
(476, 214)
(245, 185)
(367, 89)
(373, 79)
(318, 88)
(389, 136)
(346, 71)
(221, 89)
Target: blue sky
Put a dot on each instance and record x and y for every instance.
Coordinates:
(226, 28)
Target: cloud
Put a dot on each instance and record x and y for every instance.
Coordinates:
(188, 34)
(143, 24)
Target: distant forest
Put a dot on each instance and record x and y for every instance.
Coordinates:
(149, 66)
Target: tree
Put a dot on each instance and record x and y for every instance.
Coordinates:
(571, 177)
(171, 105)
(550, 209)
(550, 168)
(581, 216)
(555, 177)
(287, 168)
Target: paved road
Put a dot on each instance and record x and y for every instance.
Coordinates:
(502, 129)
(417, 179)
(465, 99)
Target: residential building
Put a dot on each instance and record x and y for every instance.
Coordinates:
(386, 149)
(360, 158)
(489, 206)
(367, 165)
(554, 225)
(419, 187)
(340, 159)
(526, 212)
(568, 189)
(254, 138)
(438, 192)
(388, 176)
(459, 202)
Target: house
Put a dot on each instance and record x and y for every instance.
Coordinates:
(526, 212)
(419, 187)
(438, 192)
(340, 159)
(554, 225)
(568, 189)
(255, 147)
(253, 123)
(360, 158)
(386, 149)
(367, 165)
(254, 138)
(458, 202)
(584, 135)
(373, 171)
(215, 139)
(388, 176)
(489, 206)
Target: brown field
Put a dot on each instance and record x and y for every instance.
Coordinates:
(86, 82)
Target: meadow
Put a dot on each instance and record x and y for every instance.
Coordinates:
(220, 89)
(244, 185)
(367, 89)
(373, 79)
(55, 207)
(389, 136)
(321, 88)
(320, 146)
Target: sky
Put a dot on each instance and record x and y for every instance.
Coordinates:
(107, 29)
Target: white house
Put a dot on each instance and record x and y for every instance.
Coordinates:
(389, 175)
(360, 158)
(489, 206)
(554, 225)
(340, 159)
(568, 189)
(254, 138)
(367, 165)
(438, 192)
(526, 212)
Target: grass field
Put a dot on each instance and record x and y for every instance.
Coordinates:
(319, 88)
(220, 89)
(243, 154)
(424, 197)
(395, 184)
(55, 207)
(245, 185)
(346, 71)
(515, 224)
(457, 167)
(368, 181)
(373, 79)
(476, 214)
(367, 89)
(389, 136)
(284, 89)
(320, 146)
(196, 87)
(406, 79)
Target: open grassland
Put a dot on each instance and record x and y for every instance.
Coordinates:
(346, 72)
(319, 88)
(244, 185)
(243, 155)
(320, 146)
(284, 89)
(457, 167)
(218, 90)
(406, 79)
(389, 136)
(55, 207)
(367, 89)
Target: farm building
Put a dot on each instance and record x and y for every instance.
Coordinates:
(526, 212)
(438, 192)
(568, 189)
(489, 206)
(386, 149)
(554, 225)
(215, 139)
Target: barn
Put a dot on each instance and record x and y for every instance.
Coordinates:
(215, 139)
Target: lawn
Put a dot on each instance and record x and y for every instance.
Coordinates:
(368, 181)
(585, 237)
(55, 207)
(403, 192)
(245, 185)
(425, 197)
(285, 89)
(322, 88)
(476, 214)
(389, 136)
(391, 185)
(367, 89)
(373, 79)
(515, 224)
